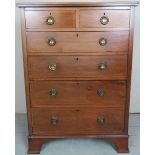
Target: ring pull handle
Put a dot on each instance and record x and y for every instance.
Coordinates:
(100, 120)
(104, 20)
(102, 66)
(53, 92)
(54, 120)
(101, 92)
(103, 41)
(51, 42)
(50, 20)
(52, 67)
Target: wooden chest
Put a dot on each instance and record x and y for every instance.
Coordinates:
(77, 63)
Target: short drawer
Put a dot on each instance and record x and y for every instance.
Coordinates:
(54, 18)
(104, 18)
(77, 42)
(77, 121)
(104, 67)
(75, 93)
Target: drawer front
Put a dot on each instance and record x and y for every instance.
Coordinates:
(54, 18)
(77, 41)
(77, 121)
(106, 67)
(104, 18)
(75, 93)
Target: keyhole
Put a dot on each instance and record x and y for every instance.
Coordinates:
(77, 59)
(50, 13)
(77, 35)
(104, 13)
(89, 88)
(77, 110)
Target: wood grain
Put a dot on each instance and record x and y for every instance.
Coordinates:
(77, 4)
(63, 18)
(25, 65)
(129, 70)
(35, 144)
(78, 93)
(78, 29)
(91, 18)
(77, 54)
(77, 66)
(73, 121)
(77, 41)
(79, 8)
(120, 144)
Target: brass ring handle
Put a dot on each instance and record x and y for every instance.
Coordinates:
(103, 41)
(53, 92)
(102, 66)
(100, 120)
(51, 41)
(101, 92)
(50, 20)
(104, 20)
(54, 120)
(52, 67)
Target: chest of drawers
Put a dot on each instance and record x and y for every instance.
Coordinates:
(77, 63)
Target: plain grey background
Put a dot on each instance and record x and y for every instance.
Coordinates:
(20, 103)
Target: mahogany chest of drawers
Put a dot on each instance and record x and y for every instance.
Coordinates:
(77, 63)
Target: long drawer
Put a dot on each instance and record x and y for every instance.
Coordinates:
(77, 121)
(75, 93)
(77, 42)
(105, 67)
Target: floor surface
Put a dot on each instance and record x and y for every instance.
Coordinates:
(77, 146)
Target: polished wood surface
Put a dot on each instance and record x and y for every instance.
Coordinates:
(129, 67)
(25, 65)
(62, 18)
(73, 121)
(78, 42)
(78, 66)
(78, 93)
(91, 18)
(105, 3)
(78, 75)
(35, 144)
(119, 141)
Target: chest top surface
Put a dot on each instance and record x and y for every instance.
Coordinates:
(48, 3)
